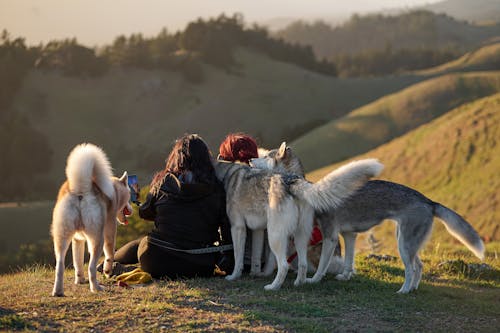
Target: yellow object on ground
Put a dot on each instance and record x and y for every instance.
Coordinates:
(137, 276)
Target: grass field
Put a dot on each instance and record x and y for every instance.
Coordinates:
(453, 160)
(455, 295)
(391, 116)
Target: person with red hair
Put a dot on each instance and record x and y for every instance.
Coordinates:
(238, 147)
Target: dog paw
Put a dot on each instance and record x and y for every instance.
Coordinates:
(81, 280)
(232, 277)
(312, 280)
(345, 276)
(298, 282)
(96, 288)
(58, 293)
(271, 287)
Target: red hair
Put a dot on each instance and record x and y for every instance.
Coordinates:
(238, 147)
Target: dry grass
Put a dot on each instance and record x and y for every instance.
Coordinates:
(391, 116)
(449, 299)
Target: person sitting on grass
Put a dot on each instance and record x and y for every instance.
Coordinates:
(188, 207)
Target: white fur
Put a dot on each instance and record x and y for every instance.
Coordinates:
(87, 209)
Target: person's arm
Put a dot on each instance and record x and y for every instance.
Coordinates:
(147, 210)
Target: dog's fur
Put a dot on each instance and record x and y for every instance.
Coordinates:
(374, 202)
(284, 204)
(89, 204)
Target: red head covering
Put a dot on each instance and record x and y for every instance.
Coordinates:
(238, 147)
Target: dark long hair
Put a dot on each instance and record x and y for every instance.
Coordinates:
(190, 157)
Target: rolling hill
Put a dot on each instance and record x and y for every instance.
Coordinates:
(484, 58)
(135, 115)
(454, 160)
(391, 116)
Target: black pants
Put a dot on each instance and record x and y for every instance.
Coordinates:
(162, 263)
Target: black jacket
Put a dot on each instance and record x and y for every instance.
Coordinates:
(188, 215)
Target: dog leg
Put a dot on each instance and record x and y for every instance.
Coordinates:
(270, 264)
(278, 244)
(418, 273)
(95, 249)
(409, 268)
(257, 244)
(327, 248)
(301, 240)
(109, 246)
(350, 242)
(61, 246)
(238, 233)
(78, 248)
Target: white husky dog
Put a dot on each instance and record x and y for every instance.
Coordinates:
(284, 204)
(89, 204)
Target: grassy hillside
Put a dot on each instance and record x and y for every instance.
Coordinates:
(485, 58)
(391, 116)
(459, 296)
(454, 160)
(135, 115)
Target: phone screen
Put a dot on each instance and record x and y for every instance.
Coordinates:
(134, 188)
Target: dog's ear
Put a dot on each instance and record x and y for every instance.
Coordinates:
(124, 178)
(282, 149)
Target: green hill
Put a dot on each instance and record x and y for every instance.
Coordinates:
(391, 116)
(484, 58)
(454, 160)
(135, 115)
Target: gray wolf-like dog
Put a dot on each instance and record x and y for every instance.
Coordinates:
(374, 202)
(89, 204)
(283, 204)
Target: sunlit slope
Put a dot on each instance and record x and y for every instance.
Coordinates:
(391, 116)
(454, 160)
(485, 58)
(137, 114)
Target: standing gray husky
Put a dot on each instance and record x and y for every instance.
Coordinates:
(374, 202)
(89, 204)
(284, 204)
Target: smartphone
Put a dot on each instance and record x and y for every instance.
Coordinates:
(134, 188)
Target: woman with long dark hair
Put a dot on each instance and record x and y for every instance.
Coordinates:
(188, 207)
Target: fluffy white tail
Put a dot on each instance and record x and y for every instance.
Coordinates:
(86, 164)
(331, 191)
(460, 229)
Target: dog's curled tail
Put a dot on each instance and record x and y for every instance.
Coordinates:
(331, 191)
(460, 229)
(89, 164)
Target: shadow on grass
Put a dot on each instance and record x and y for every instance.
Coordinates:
(363, 303)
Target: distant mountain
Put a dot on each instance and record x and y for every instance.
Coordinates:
(415, 29)
(391, 116)
(474, 11)
(453, 160)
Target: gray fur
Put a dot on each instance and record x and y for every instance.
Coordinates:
(284, 204)
(373, 203)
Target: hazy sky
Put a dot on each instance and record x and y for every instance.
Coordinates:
(100, 21)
